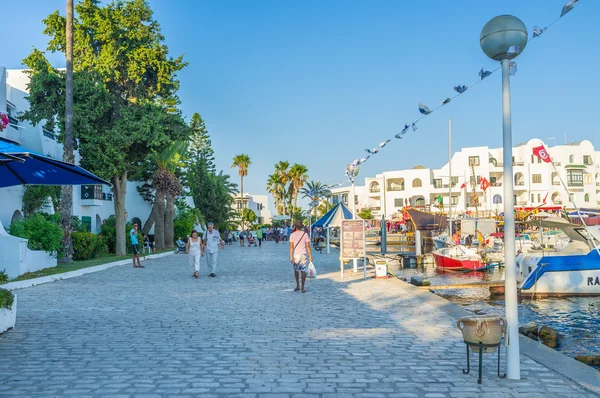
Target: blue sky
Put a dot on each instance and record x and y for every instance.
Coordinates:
(316, 82)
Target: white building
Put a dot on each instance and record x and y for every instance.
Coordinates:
(257, 203)
(92, 203)
(535, 182)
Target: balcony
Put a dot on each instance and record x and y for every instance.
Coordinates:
(555, 182)
(394, 189)
(575, 184)
(374, 190)
(92, 195)
(518, 163)
(496, 184)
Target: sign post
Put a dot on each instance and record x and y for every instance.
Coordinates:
(353, 243)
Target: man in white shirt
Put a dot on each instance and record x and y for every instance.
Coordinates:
(212, 240)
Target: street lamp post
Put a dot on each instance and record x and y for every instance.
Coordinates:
(502, 39)
(352, 172)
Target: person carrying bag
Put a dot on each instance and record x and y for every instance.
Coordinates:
(299, 251)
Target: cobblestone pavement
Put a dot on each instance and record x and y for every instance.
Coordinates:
(158, 332)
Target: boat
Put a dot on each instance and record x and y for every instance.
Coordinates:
(458, 258)
(572, 271)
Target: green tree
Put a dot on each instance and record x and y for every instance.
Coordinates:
(248, 217)
(36, 197)
(124, 91)
(282, 172)
(200, 145)
(316, 192)
(242, 162)
(366, 213)
(298, 177)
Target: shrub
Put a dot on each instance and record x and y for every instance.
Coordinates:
(3, 276)
(6, 299)
(84, 244)
(100, 248)
(42, 232)
(183, 224)
(108, 230)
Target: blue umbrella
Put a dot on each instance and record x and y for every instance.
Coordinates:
(20, 166)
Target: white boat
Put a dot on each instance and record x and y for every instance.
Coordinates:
(572, 271)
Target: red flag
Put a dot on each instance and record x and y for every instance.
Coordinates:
(541, 153)
(464, 185)
(484, 183)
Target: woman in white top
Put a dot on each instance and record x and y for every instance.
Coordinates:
(194, 249)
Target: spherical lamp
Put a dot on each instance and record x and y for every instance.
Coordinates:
(499, 34)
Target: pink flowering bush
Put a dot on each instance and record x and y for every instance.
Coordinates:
(3, 121)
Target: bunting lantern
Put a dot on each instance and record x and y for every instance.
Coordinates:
(383, 143)
(568, 7)
(537, 31)
(483, 74)
(460, 90)
(424, 109)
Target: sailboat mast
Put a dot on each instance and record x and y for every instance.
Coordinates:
(450, 175)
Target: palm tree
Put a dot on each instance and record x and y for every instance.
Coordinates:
(281, 170)
(165, 183)
(273, 187)
(298, 176)
(242, 162)
(315, 191)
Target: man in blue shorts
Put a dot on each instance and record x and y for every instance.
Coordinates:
(136, 249)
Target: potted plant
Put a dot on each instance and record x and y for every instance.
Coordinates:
(486, 329)
(8, 310)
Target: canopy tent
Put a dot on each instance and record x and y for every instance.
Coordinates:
(334, 217)
(20, 166)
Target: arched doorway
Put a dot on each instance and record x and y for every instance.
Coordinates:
(98, 223)
(497, 199)
(17, 215)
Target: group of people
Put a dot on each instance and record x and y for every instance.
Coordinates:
(208, 245)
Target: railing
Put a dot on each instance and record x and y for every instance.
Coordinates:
(496, 184)
(374, 190)
(519, 184)
(557, 202)
(555, 182)
(575, 184)
(518, 163)
(13, 120)
(395, 188)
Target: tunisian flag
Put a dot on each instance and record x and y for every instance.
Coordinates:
(541, 153)
(464, 185)
(484, 183)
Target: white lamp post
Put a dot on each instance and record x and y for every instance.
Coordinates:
(352, 172)
(502, 39)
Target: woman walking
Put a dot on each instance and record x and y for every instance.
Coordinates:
(194, 249)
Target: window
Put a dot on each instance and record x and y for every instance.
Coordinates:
(555, 179)
(49, 134)
(474, 180)
(420, 202)
(532, 198)
(575, 178)
(355, 199)
(571, 158)
(417, 183)
(533, 158)
(437, 183)
(454, 181)
(539, 198)
(587, 160)
(536, 178)
(473, 160)
(571, 197)
(586, 198)
(12, 113)
(493, 181)
(497, 199)
(261, 220)
(86, 223)
(454, 200)
(587, 179)
(398, 202)
(494, 162)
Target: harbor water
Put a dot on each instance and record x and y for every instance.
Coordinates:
(577, 319)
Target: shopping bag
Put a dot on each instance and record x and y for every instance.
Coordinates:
(312, 271)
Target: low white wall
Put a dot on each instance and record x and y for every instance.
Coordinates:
(8, 317)
(17, 259)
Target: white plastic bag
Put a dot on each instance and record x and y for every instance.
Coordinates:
(312, 271)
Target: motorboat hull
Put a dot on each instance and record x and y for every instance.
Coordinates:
(457, 259)
(569, 275)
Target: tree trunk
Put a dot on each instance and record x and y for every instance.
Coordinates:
(150, 221)
(159, 220)
(120, 191)
(169, 218)
(242, 200)
(66, 207)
